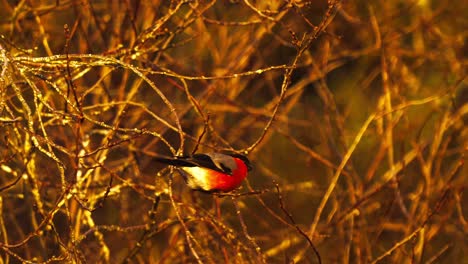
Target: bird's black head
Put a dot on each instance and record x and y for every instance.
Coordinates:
(243, 158)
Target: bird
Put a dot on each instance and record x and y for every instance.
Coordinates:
(210, 172)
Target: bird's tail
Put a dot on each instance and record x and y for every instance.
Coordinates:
(176, 161)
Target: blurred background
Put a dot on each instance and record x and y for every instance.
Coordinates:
(353, 114)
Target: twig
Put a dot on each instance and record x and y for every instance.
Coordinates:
(299, 230)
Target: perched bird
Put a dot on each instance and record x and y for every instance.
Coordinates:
(211, 172)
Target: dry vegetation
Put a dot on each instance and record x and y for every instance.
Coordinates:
(353, 114)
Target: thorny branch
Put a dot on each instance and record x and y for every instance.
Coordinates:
(355, 111)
